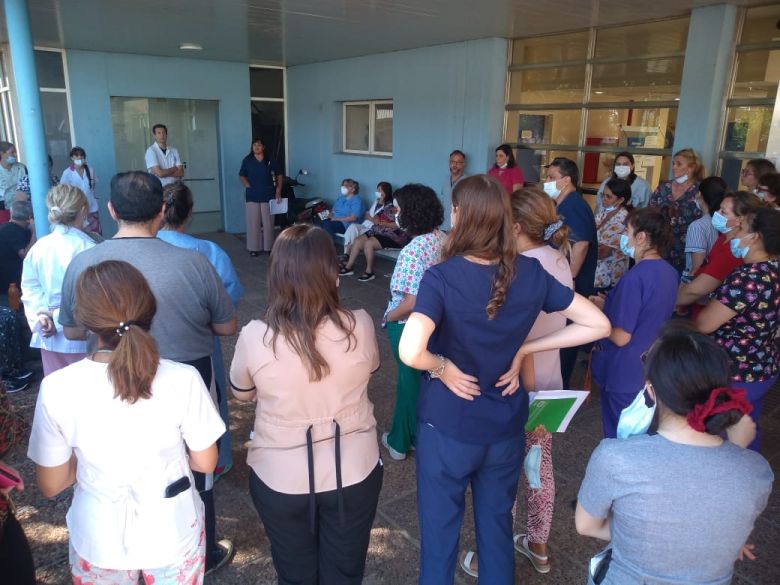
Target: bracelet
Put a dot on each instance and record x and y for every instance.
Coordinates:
(436, 373)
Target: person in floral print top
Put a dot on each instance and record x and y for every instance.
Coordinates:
(420, 215)
(677, 198)
(743, 317)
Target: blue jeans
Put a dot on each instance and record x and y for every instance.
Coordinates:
(333, 228)
(445, 468)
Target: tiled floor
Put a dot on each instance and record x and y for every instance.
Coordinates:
(394, 549)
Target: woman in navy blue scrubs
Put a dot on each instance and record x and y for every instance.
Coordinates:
(472, 315)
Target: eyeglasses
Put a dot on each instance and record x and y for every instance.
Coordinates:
(458, 162)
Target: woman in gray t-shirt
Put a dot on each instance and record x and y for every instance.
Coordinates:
(678, 506)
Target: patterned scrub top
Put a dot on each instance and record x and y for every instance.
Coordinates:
(609, 229)
(681, 213)
(753, 292)
(416, 257)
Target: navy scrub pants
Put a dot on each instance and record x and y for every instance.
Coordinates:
(445, 468)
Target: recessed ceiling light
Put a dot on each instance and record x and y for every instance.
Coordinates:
(677, 99)
(191, 47)
(598, 92)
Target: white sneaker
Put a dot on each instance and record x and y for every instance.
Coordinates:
(397, 455)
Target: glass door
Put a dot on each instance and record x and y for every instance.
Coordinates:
(192, 130)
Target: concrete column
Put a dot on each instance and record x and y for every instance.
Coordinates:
(705, 79)
(30, 114)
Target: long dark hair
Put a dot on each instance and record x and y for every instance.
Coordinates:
(632, 175)
(484, 230)
(303, 293)
(114, 301)
(510, 156)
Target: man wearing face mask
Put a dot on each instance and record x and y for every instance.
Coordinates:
(562, 186)
(11, 172)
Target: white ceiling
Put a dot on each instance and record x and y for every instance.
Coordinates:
(293, 32)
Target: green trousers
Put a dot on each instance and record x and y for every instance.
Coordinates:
(407, 388)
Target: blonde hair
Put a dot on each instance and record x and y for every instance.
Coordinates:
(693, 160)
(65, 202)
(536, 213)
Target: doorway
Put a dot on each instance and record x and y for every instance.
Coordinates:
(192, 130)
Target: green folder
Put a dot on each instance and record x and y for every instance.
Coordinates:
(553, 409)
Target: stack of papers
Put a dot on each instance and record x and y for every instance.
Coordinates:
(278, 208)
(554, 409)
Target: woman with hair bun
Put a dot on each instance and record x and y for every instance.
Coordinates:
(744, 315)
(127, 428)
(637, 307)
(44, 270)
(677, 506)
(468, 330)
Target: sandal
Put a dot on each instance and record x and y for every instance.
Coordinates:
(466, 562)
(540, 562)
(344, 271)
(366, 277)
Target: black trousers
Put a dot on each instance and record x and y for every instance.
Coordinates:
(16, 562)
(203, 365)
(335, 554)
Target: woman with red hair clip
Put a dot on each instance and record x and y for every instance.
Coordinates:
(677, 505)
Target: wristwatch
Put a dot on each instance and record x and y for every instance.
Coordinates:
(437, 372)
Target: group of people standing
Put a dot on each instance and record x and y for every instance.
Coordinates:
(477, 318)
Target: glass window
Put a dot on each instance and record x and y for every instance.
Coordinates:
(50, 70)
(550, 49)
(56, 123)
(268, 125)
(383, 128)
(747, 128)
(761, 25)
(650, 80)
(631, 128)
(757, 74)
(559, 85)
(356, 126)
(266, 83)
(547, 156)
(544, 127)
(652, 38)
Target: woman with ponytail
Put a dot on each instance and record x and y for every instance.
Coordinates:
(43, 272)
(127, 428)
(678, 505)
(468, 330)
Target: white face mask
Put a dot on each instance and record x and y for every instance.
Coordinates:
(551, 189)
(378, 194)
(622, 171)
(680, 180)
(503, 166)
(344, 190)
(78, 161)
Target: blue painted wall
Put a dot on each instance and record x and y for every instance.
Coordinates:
(444, 97)
(95, 77)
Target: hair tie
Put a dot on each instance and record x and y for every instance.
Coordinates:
(550, 230)
(735, 400)
(124, 326)
(56, 209)
(169, 200)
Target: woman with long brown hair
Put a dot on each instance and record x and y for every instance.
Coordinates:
(468, 331)
(316, 472)
(117, 424)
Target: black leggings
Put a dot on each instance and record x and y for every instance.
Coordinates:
(16, 562)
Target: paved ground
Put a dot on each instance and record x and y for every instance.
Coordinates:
(393, 553)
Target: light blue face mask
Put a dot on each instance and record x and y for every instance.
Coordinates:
(636, 418)
(610, 208)
(11, 160)
(532, 467)
(736, 250)
(719, 222)
(628, 251)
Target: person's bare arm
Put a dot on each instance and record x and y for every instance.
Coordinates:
(620, 337)
(697, 259)
(403, 310)
(579, 251)
(224, 329)
(279, 184)
(244, 181)
(53, 480)
(588, 525)
(204, 461)
(712, 316)
(699, 288)
(76, 333)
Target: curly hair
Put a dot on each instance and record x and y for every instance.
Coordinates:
(421, 210)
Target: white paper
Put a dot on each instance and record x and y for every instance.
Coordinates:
(580, 396)
(280, 207)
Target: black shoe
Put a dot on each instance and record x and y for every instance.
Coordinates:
(220, 556)
(13, 386)
(366, 277)
(22, 376)
(346, 271)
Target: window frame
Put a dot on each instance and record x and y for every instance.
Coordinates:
(372, 104)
